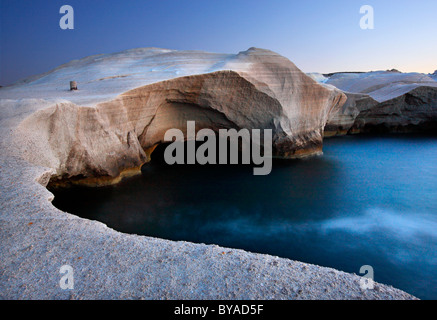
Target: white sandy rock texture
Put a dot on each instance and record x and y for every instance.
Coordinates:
(383, 101)
(124, 103)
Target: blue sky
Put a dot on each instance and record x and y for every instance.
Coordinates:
(317, 35)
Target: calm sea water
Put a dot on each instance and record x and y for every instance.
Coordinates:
(369, 200)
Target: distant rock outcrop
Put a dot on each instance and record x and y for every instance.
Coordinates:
(128, 100)
(387, 101)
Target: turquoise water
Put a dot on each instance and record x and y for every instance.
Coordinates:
(369, 200)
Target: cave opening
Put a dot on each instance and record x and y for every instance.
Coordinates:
(233, 154)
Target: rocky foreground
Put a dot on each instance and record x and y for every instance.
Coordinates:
(108, 129)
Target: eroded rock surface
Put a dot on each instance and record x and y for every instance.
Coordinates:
(96, 133)
(388, 101)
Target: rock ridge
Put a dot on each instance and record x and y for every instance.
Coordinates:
(383, 101)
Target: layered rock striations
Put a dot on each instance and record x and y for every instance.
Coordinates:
(127, 101)
(388, 101)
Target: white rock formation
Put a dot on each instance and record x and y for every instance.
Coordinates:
(320, 78)
(127, 101)
(384, 100)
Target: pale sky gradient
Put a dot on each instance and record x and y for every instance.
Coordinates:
(317, 35)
